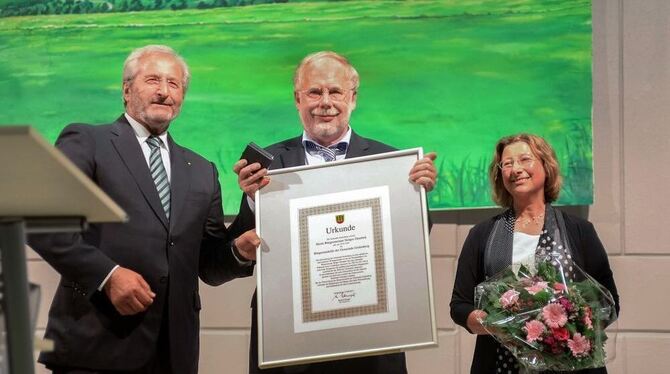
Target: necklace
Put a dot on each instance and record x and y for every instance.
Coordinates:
(526, 221)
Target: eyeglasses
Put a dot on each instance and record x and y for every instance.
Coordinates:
(525, 161)
(335, 93)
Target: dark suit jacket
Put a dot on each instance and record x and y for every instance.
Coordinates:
(588, 253)
(292, 153)
(88, 332)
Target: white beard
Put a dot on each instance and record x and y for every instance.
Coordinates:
(325, 130)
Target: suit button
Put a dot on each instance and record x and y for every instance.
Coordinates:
(171, 244)
(164, 279)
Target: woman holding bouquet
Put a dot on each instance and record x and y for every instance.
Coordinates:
(525, 179)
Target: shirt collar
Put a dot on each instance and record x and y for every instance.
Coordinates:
(142, 133)
(345, 139)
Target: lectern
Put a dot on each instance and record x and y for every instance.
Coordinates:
(41, 191)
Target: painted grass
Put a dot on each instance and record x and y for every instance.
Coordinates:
(451, 77)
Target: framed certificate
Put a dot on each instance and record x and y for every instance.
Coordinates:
(343, 269)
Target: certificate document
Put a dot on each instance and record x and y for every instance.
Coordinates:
(342, 259)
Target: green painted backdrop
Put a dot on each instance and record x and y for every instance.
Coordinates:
(450, 76)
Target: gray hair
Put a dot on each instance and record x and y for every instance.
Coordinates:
(311, 58)
(130, 66)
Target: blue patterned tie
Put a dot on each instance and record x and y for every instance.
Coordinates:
(327, 153)
(159, 174)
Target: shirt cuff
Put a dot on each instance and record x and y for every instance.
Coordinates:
(102, 285)
(251, 203)
(240, 260)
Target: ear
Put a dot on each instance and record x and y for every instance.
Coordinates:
(126, 91)
(354, 96)
(296, 98)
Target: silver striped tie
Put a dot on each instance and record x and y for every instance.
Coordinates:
(158, 173)
(327, 153)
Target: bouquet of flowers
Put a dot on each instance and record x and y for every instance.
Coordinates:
(548, 322)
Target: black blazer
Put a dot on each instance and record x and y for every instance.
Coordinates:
(86, 329)
(588, 253)
(292, 153)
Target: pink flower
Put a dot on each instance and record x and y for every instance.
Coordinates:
(554, 315)
(579, 345)
(587, 318)
(509, 299)
(537, 287)
(534, 330)
(525, 281)
(559, 287)
(588, 323)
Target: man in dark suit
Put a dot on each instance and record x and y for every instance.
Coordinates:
(128, 297)
(325, 89)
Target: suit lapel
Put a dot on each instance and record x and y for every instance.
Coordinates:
(179, 181)
(130, 152)
(294, 155)
(357, 146)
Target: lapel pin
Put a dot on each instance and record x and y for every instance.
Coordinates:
(189, 163)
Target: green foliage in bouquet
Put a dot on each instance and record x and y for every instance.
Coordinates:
(547, 321)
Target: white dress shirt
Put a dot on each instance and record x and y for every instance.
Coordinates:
(523, 250)
(142, 134)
